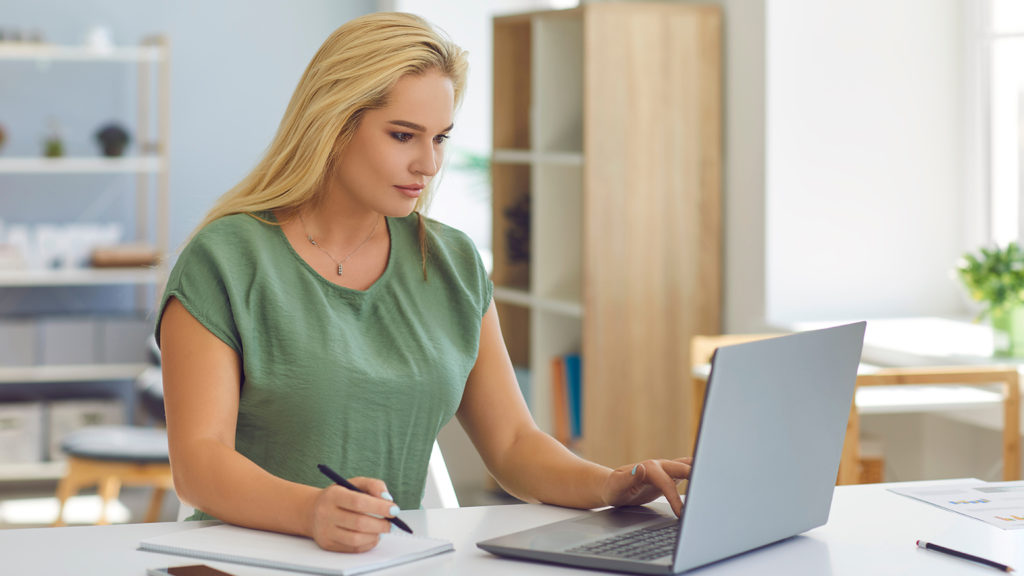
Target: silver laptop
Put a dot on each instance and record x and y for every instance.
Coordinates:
(765, 464)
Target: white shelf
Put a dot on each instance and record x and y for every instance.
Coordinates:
(78, 277)
(51, 52)
(20, 472)
(70, 373)
(510, 156)
(523, 298)
(78, 165)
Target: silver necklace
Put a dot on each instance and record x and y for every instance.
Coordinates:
(341, 262)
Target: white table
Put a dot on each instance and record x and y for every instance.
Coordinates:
(870, 531)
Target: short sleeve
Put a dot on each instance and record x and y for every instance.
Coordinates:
(202, 280)
(456, 250)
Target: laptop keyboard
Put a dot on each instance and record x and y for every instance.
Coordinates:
(642, 544)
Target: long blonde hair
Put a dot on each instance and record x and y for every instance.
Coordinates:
(354, 71)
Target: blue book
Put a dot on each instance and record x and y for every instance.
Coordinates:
(574, 388)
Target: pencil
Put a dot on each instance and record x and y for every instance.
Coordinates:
(341, 481)
(964, 555)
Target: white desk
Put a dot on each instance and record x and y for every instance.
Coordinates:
(870, 531)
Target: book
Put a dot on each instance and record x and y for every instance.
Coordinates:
(559, 402)
(574, 394)
(229, 543)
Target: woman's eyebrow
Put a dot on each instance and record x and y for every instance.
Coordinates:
(417, 127)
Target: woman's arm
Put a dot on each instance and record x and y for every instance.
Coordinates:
(202, 378)
(532, 465)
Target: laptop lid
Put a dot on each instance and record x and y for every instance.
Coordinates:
(771, 436)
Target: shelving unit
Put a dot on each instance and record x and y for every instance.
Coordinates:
(149, 166)
(606, 176)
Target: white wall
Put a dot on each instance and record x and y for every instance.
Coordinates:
(865, 162)
(744, 205)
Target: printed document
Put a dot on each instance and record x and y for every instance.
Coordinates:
(997, 503)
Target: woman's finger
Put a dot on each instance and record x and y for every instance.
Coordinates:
(652, 472)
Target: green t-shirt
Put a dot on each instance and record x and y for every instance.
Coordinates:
(359, 380)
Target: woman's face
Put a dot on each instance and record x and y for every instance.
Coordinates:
(397, 149)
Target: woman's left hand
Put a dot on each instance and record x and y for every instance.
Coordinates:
(641, 483)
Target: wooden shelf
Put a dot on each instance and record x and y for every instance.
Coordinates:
(70, 373)
(149, 63)
(509, 156)
(78, 277)
(518, 297)
(52, 52)
(606, 184)
(81, 165)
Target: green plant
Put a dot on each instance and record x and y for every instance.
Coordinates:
(994, 276)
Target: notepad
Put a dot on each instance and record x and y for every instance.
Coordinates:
(229, 543)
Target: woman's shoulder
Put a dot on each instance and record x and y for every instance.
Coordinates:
(234, 224)
(232, 231)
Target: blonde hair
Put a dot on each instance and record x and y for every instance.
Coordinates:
(352, 72)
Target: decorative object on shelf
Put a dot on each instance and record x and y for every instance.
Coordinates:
(99, 39)
(20, 36)
(125, 255)
(53, 144)
(518, 232)
(3, 137)
(994, 276)
(112, 139)
(11, 257)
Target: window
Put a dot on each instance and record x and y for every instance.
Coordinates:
(1001, 50)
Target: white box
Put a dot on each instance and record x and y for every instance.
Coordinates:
(17, 342)
(123, 340)
(68, 341)
(21, 432)
(66, 416)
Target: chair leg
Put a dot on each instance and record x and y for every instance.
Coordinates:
(110, 487)
(66, 488)
(155, 504)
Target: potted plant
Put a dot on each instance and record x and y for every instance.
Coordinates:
(112, 139)
(995, 277)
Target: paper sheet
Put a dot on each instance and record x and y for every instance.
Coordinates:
(997, 503)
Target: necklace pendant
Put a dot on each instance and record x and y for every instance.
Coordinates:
(340, 268)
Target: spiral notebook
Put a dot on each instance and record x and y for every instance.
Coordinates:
(229, 543)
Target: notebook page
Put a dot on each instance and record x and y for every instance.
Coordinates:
(229, 543)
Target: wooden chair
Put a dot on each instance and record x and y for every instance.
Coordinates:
(851, 465)
(111, 456)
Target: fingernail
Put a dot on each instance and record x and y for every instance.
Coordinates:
(635, 466)
(395, 510)
(387, 496)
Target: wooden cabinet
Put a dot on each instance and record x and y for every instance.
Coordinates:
(606, 174)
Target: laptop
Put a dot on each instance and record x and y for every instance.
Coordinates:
(765, 464)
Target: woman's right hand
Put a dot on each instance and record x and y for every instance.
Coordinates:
(347, 521)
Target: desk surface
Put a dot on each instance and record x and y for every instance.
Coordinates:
(870, 531)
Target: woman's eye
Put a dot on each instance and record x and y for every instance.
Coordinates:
(401, 136)
(441, 138)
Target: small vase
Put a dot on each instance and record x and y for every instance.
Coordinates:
(1008, 331)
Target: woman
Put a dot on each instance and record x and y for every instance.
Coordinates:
(317, 317)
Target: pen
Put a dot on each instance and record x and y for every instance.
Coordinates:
(340, 480)
(964, 555)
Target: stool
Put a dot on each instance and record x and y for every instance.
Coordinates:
(109, 456)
